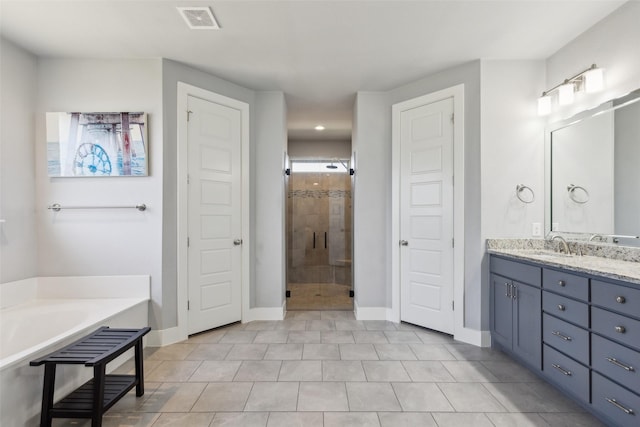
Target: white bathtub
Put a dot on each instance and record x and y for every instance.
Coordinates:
(40, 315)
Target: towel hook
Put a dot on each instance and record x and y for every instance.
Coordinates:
(525, 194)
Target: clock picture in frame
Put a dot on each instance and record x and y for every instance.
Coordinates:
(96, 144)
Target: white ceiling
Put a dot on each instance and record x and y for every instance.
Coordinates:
(319, 53)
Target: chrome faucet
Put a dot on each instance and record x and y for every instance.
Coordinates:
(565, 245)
(600, 238)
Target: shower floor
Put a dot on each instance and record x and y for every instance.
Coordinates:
(319, 296)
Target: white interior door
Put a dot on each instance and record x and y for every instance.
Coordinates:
(426, 216)
(214, 215)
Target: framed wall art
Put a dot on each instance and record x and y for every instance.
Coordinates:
(97, 144)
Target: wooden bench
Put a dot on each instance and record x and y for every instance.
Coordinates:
(95, 397)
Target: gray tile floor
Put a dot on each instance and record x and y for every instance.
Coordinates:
(327, 369)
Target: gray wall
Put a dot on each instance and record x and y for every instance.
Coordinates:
(612, 44)
(128, 242)
(469, 75)
(512, 154)
(271, 141)
(99, 242)
(372, 200)
(323, 150)
(18, 238)
(172, 73)
(372, 191)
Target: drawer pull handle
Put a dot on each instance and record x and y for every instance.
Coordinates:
(621, 329)
(619, 406)
(562, 283)
(567, 373)
(620, 365)
(621, 299)
(559, 335)
(561, 307)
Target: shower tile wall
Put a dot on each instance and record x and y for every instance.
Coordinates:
(319, 203)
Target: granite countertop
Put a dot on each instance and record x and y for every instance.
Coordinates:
(538, 250)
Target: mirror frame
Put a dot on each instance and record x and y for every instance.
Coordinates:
(610, 105)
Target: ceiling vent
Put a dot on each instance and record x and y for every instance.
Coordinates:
(199, 18)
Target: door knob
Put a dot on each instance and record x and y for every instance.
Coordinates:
(404, 243)
(237, 242)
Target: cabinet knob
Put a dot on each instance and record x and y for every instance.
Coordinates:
(621, 329)
(561, 307)
(561, 283)
(621, 299)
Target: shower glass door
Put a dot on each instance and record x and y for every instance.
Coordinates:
(319, 273)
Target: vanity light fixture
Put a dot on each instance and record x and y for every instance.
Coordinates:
(589, 80)
(319, 128)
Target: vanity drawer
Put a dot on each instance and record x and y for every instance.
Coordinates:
(566, 308)
(563, 336)
(619, 298)
(566, 373)
(524, 273)
(615, 402)
(568, 284)
(616, 362)
(616, 326)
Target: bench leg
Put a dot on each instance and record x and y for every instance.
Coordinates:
(98, 395)
(47, 394)
(139, 369)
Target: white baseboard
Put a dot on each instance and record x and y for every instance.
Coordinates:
(370, 313)
(474, 337)
(265, 313)
(162, 337)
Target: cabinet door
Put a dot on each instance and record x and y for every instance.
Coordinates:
(527, 323)
(502, 310)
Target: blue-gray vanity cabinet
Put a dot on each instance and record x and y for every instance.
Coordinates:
(565, 308)
(565, 337)
(567, 284)
(611, 296)
(616, 361)
(566, 373)
(515, 315)
(580, 332)
(617, 404)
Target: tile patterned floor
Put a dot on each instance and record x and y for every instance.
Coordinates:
(324, 368)
(319, 296)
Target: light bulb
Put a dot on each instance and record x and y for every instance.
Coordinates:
(593, 80)
(565, 94)
(544, 105)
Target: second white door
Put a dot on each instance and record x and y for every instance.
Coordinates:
(215, 226)
(426, 216)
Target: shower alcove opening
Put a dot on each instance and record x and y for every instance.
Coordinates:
(319, 230)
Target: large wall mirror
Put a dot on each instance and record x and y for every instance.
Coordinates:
(593, 172)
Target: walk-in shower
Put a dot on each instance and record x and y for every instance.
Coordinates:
(319, 273)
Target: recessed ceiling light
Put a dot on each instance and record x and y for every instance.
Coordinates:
(319, 127)
(199, 18)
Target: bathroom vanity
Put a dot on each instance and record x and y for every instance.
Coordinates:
(575, 321)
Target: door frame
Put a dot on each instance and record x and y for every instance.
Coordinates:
(184, 91)
(457, 93)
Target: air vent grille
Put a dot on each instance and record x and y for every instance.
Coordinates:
(199, 18)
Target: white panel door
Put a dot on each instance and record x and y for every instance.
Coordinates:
(215, 228)
(426, 215)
